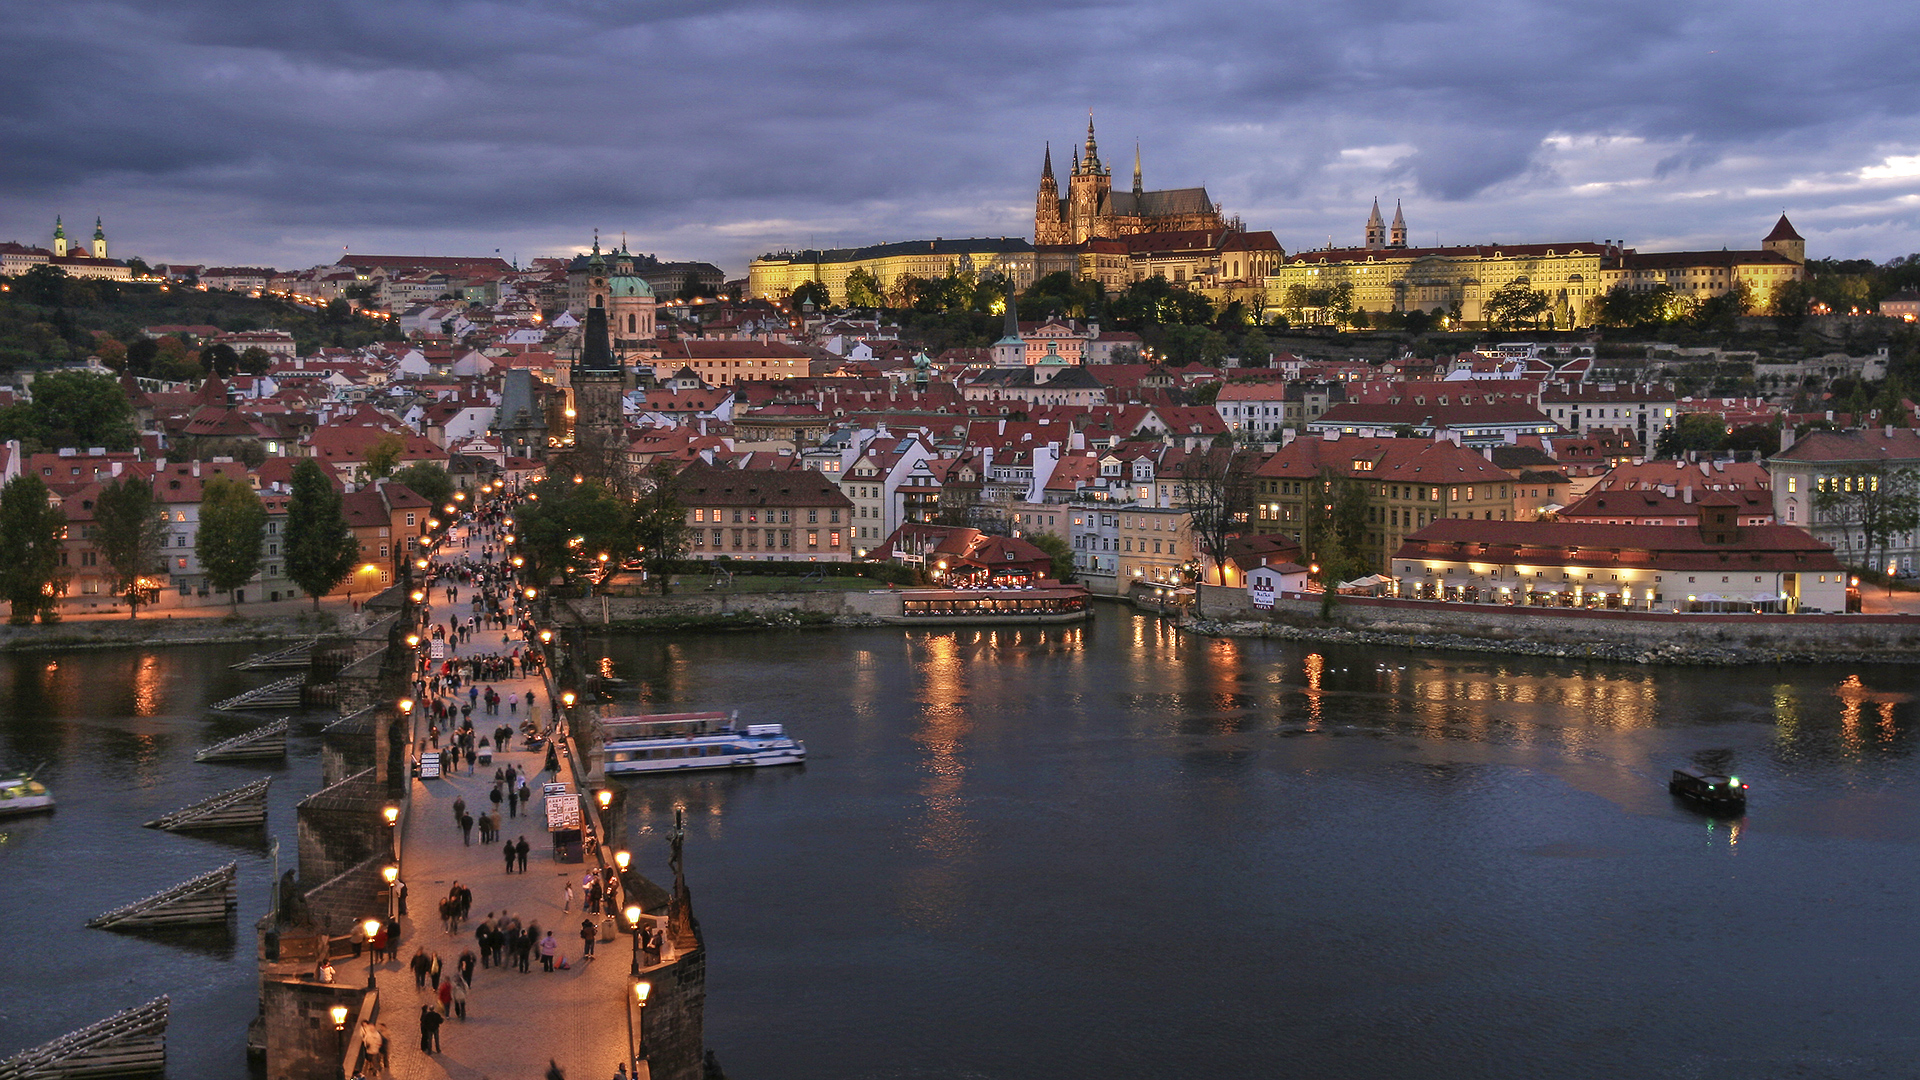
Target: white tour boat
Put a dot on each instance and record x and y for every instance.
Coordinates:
(671, 742)
(22, 794)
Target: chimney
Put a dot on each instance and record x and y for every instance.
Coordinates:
(196, 468)
(1686, 494)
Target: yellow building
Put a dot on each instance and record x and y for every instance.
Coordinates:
(1453, 280)
(1154, 543)
(774, 276)
(1781, 257)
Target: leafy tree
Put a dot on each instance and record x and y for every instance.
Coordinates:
(72, 408)
(219, 359)
(1155, 301)
(1205, 393)
(255, 360)
(660, 522)
(141, 354)
(321, 549)
(129, 528)
(1062, 568)
(1761, 439)
(1791, 303)
(1880, 502)
(567, 523)
(811, 292)
(427, 480)
(233, 522)
(31, 528)
(139, 267)
(111, 352)
(1191, 345)
(1061, 293)
(383, 455)
(1698, 432)
(44, 285)
(864, 289)
(1514, 303)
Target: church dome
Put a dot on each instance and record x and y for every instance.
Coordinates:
(628, 285)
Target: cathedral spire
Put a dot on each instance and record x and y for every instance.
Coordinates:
(1376, 227)
(1398, 236)
(1046, 163)
(1093, 150)
(1136, 168)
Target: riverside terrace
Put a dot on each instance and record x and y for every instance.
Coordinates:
(1715, 566)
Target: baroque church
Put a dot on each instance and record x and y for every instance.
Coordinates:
(1092, 210)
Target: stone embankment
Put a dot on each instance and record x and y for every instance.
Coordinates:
(160, 629)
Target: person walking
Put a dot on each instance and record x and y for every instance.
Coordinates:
(386, 1047)
(466, 830)
(589, 934)
(566, 901)
(459, 998)
(507, 848)
(548, 947)
(419, 965)
(370, 1043)
(520, 853)
(445, 994)
(429, 1030)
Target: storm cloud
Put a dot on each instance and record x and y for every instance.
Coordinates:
(223, 131)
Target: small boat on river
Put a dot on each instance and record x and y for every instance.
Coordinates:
(677, 742)
(1723, 794)
(22, 794)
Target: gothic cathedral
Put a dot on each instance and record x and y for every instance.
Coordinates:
(1092, 210)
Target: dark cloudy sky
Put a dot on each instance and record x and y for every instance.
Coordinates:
(235, 131)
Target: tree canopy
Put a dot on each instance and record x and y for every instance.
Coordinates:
(320, 547)
(233, 523)
(31, 528)
(563, 525)
(129, 529)
(72, 409)
(660, 529)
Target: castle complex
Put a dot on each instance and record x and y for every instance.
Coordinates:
(1092, 210)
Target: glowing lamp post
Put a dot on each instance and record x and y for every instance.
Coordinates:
(371, 928)
(641, 989)
(605, 795)
(390, 873)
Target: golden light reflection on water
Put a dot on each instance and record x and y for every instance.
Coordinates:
(1851, 694)
(1316, 669)
(945, 832)
(149, 687)
(1225, 664)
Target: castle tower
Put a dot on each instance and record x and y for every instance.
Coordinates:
(1047, 226)
(1136, 172)
(59, 237)
(596, 276)
(599, 420)
(1786, 242)
(99, 240)
(1397, 237)
(1376, 228)
(1087, 192)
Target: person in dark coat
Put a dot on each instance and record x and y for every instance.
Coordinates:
(589, 934)
(509, 850)
(429, 1029)
(520, 853)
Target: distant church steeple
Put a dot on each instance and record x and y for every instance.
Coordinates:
(59, 236)
(1136, 171)
(1398, 236)
(1376, 228)
(99, 240)
(1010, 350)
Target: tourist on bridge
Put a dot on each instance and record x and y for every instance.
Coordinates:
(566, 899)
(445, 994)
(419, 963)
(548, 947)
(520, 853)
(460, 987)
(510, 852)
(370, 1044)
(589, 933)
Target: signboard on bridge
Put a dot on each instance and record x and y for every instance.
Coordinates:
(563, 809)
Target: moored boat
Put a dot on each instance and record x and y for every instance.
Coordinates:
(677, 742)
(22, 794)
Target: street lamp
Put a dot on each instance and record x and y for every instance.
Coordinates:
(621, 859)
(641, 988)
(390, 873)
(339, 1015)
(371, 928)
(605, 795)
(546, 636)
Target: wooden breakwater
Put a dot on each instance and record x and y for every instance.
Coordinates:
(261, 743)
(132, 1042)
(196, 902)
(234, 808)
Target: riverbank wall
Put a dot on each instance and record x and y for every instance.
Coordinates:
(161, 629)
(1633, 637)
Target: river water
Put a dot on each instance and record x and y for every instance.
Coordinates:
(1117, 850)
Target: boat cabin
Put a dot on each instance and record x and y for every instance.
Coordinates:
(1709, 789)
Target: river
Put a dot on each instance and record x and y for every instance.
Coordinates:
(1118, 850)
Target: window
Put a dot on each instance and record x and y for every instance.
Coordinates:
(180, 541)
(181, 563)
(834, 536)
(833, 518)
(736, 518)
(813, 538)
(409, 522)
(813, 517)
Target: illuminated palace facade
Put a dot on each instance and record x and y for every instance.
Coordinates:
(1388, 275)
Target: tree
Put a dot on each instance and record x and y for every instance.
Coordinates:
(864, 289)
(568, 524)
(427, 480)
(129, 528)
(660, 522)
(1514, 303)
(72, 408)
(140, 355)
(43, 285)
(31, 528)
(1697, 432)
(255, 360)
(1057, 549)
(1879, 501)
(233, 522)
(810, 292)
(1216, 487)
(383, 455)
(219, 360)
(321, 549)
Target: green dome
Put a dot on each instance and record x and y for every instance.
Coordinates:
(628, 285)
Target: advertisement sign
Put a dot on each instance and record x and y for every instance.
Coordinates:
(1262, 593)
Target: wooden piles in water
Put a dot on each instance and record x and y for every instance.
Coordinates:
(205, 899)
(294, 657)
(278, 694)
(128, 1043)
(239, 807)
(265, 741)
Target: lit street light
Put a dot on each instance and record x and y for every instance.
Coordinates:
(371, 928)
